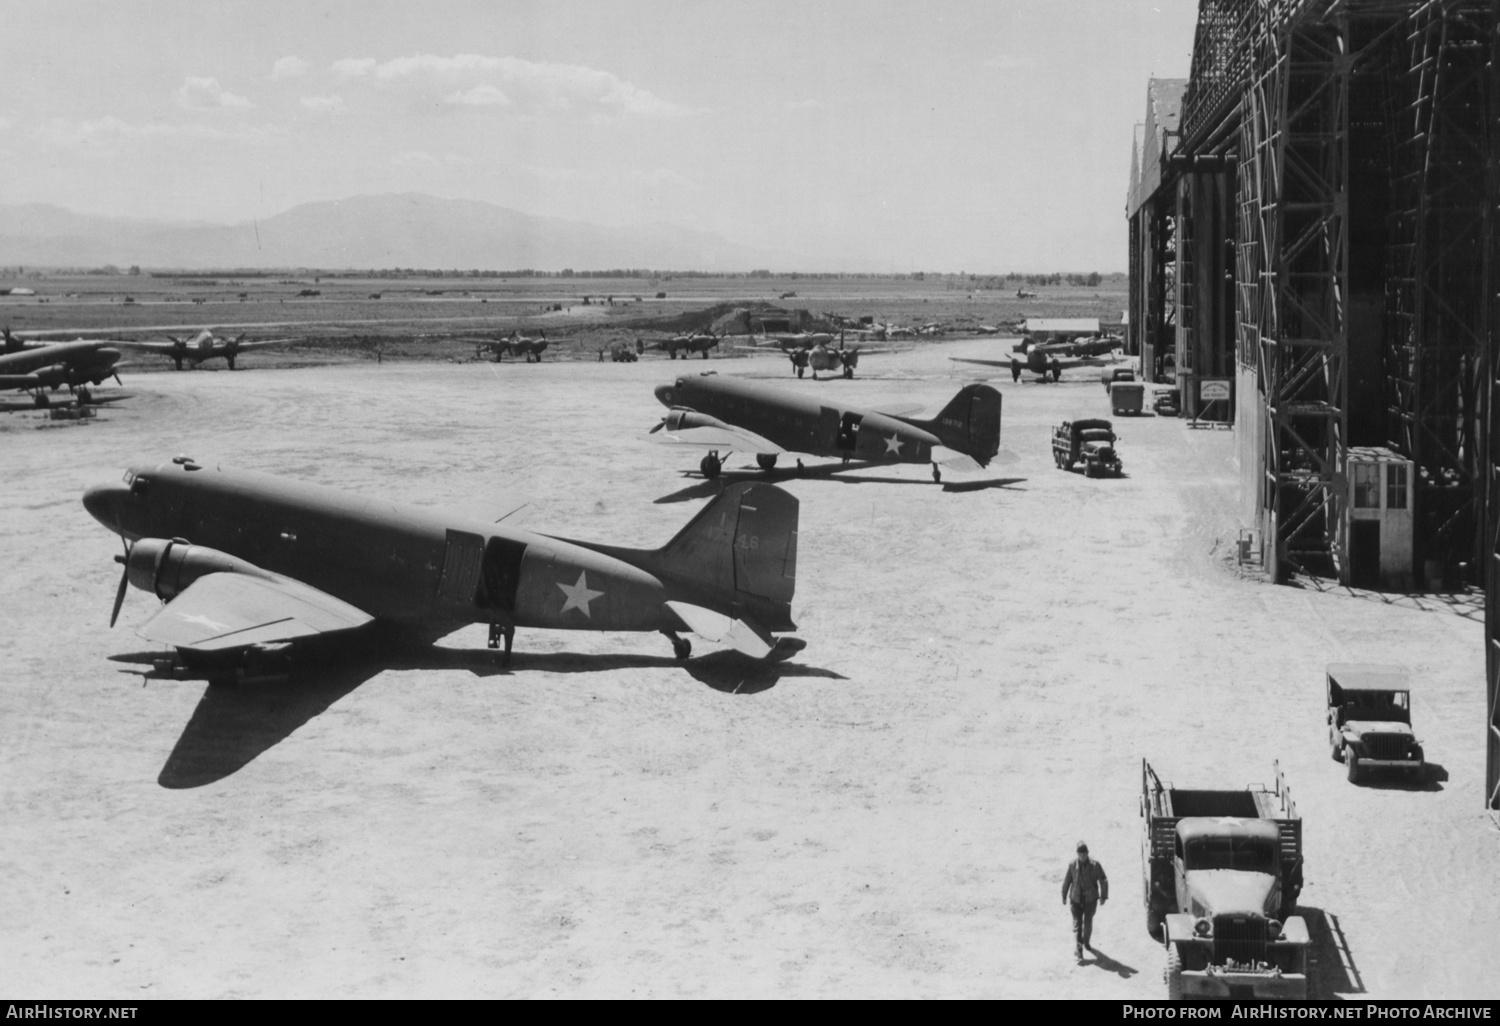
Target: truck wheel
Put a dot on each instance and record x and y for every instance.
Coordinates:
(1154, 922)
(1173, 974)
(1352, 761)
(1336, 751)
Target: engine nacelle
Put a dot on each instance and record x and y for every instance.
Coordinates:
(679, 419)
(165, 568)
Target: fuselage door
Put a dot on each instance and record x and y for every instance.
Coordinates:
(500, 574)
(461, 568)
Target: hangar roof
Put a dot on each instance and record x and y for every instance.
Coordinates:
(1163, 114)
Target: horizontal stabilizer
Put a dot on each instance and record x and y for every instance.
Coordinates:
(740, 635)
(953, 459)
(902, 410)
(232, 610)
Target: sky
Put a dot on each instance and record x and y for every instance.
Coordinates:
(942, 135)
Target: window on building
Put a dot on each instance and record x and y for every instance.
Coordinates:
(1366, 486)
(1395, 486)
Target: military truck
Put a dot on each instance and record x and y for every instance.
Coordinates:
(1090, 442)
(1222, 872)
(1369, 720)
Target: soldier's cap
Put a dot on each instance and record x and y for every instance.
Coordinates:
(1083, 847)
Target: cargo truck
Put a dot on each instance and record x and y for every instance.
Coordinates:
(1222, 873)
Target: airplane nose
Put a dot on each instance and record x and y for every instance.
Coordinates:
(103, 503)
(665, 394)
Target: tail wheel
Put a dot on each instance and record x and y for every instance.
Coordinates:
(710, 466)
(1173, 974)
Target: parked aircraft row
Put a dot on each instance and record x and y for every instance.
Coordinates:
(252, 568)
(39, 367)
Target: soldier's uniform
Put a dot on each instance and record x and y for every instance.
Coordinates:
(1084, 887)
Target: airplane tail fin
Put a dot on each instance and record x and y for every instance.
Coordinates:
(739, 554)
(970, 423)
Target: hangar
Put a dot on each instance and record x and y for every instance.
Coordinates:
(1313, 214)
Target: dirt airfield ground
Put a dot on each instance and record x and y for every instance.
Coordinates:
(888, 814)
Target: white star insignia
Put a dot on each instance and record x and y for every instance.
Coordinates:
(202, 620)
(579, 595)
(893, 444)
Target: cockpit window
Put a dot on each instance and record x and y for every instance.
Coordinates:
(139, 485)
(1254, 854)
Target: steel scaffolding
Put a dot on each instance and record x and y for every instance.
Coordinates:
(1362, 151)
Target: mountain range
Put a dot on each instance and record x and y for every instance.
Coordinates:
(364, 233)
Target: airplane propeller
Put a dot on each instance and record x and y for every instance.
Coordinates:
(124, 562)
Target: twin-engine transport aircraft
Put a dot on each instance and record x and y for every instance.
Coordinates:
(249, 563)
(205, 346)
(732, 414)
(36, 368)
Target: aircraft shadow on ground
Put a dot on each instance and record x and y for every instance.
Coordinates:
(1102, 961)
(234, 723)
(1332, 971)
(706, 489)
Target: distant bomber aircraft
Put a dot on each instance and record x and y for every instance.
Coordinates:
(205, 346)
(516, 345)
(251, 564)
(729, 414)
(695, 342)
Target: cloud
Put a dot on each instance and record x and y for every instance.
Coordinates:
(354, 67)
(104, 133)
(289, 67)
(324, 104)
(485, 81)
(1010, 62)
(207, 94)
(484, 95)
(805, 104)
(5, 123)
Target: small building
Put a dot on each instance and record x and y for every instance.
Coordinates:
(1379, 518)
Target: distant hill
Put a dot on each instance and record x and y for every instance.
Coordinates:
(367, 232)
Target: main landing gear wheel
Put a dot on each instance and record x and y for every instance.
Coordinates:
(681, 647)
(766, 460)
(710, 466)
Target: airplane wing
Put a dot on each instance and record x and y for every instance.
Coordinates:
(148, 346)
(228, 610)
(987, 363)
(258, 343)
(725, 437)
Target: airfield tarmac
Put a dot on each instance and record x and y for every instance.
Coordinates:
(887, 814)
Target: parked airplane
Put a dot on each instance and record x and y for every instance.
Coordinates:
(205, 346)
(815, 350)
(249, 564)
(694, 342)
(516, 345)
(36, 368)
(729, 414)
(1043, 358)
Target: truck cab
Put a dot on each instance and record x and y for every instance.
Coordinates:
(1223, 870)
(1369, 720)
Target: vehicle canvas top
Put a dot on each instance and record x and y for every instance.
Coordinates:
(1228, 827)
(1367, 677)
